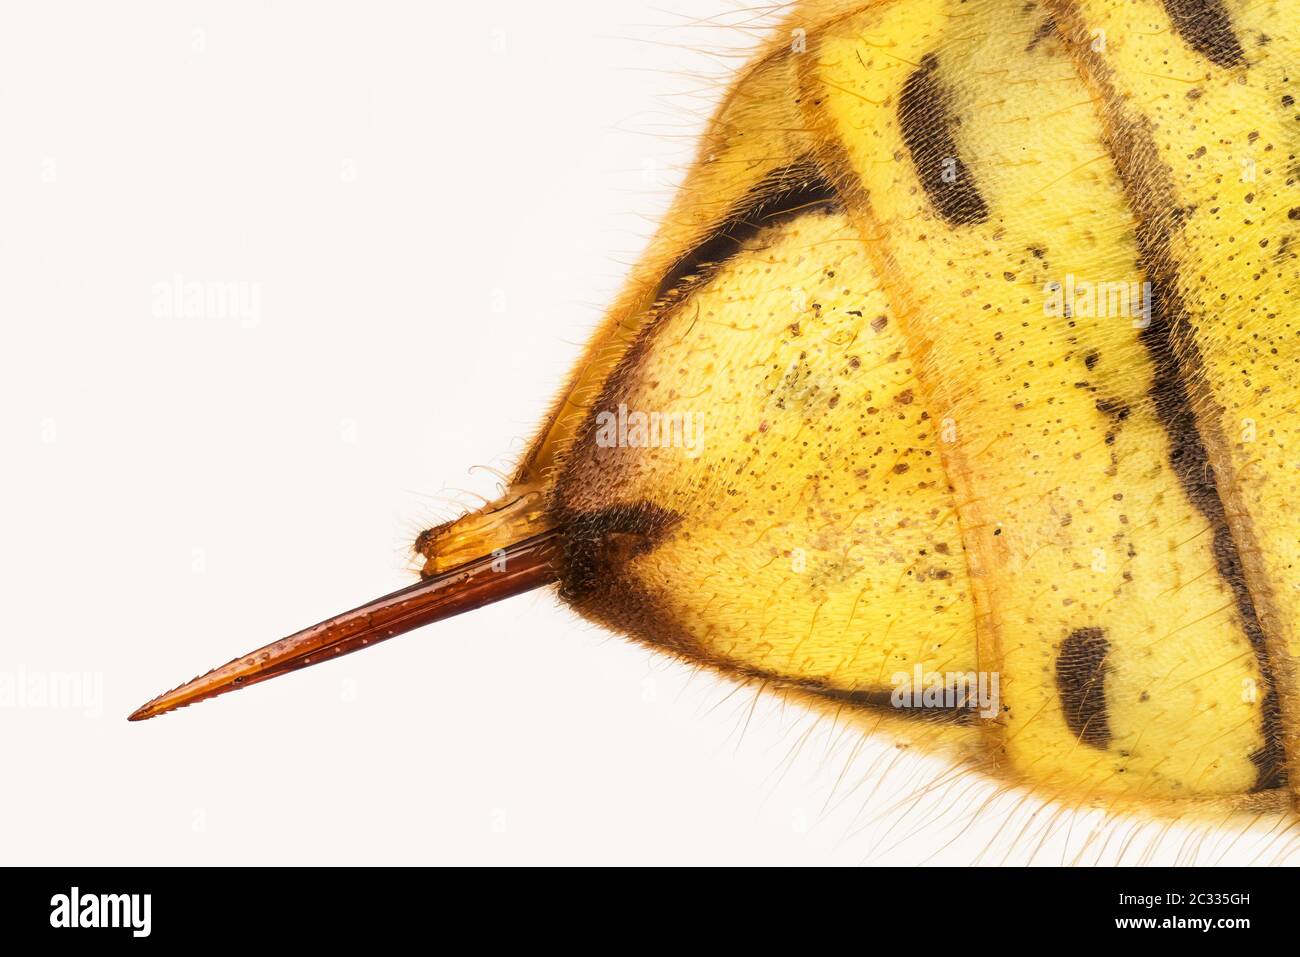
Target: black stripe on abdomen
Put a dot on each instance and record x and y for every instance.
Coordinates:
(1166, 338)
(782, 195)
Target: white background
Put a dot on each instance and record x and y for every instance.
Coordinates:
(433, 201)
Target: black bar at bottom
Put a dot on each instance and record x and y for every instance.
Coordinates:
(942, 907)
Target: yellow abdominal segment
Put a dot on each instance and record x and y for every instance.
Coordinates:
(967, 349)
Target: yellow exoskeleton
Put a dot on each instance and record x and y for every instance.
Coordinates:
(958, 390)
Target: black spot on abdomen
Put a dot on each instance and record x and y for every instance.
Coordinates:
(1206, 27)
(1081, 682)
(927, 128)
